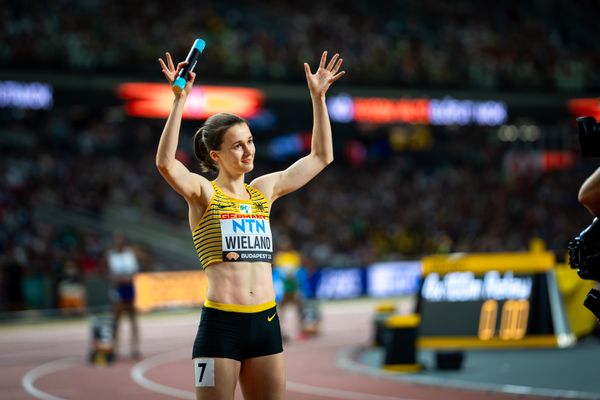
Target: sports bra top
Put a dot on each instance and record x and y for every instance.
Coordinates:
(233, 230)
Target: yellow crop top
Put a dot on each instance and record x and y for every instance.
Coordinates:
(233, 229)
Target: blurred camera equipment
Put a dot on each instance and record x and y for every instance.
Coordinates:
(589, 136)
(592, 302)
(584, 252)
(584, 256)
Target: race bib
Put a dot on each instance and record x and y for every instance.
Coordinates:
(246, 238)
(204, 372)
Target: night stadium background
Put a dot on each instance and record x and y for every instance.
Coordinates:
(454, 132)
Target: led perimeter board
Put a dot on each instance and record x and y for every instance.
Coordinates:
(495, 300)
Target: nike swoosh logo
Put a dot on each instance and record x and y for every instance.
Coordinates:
(271, 317)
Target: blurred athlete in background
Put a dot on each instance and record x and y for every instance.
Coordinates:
(123, 262)
(287, 264)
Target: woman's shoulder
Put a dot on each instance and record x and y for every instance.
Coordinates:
(205, 189)
(257, 192)
(264, 184)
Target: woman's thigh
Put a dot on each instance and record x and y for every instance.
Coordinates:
(263, 378)
(215, 378)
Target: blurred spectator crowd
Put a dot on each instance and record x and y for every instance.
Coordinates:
(451, 197)
(396, 206)
(530, 44)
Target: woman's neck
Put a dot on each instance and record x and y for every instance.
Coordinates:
(233, 186)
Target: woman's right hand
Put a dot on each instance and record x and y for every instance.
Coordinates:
(170, 72)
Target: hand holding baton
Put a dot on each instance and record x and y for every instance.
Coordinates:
(191, 59)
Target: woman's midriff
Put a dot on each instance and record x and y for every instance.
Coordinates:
(245, 283)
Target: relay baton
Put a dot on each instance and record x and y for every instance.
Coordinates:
(192, 59)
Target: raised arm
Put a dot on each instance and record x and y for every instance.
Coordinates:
(174, 172)
(302, 171)
(589, 193)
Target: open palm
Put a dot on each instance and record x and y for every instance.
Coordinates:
(170, 72)
(326, 74)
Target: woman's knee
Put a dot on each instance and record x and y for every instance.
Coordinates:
(263, 378)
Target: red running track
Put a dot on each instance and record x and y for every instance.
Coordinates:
(48, 361)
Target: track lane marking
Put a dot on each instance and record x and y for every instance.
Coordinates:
(139, 370)
(345, 361)
(337, 393)
(138, 374)
(31, 376)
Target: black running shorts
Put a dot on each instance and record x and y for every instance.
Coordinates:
(237, 335)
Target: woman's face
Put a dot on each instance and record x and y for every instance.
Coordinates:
(237, 150)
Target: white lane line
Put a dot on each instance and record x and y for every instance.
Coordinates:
(31, 376)
(337, 393)
(345, 361)
(139, 369)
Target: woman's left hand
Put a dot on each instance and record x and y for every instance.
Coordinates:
(171, 73)
(319, 82)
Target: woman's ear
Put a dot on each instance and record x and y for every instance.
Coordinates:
(214, 155)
